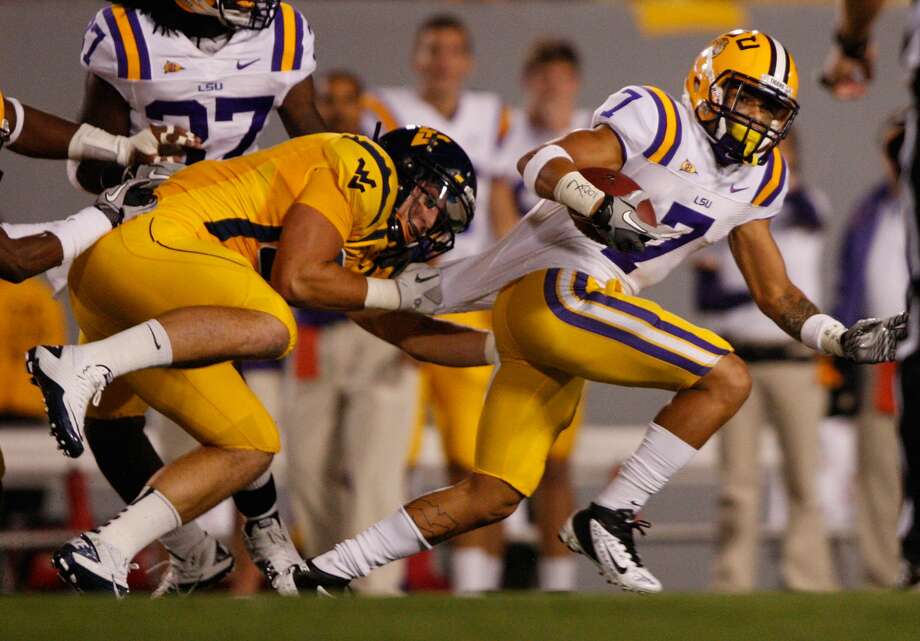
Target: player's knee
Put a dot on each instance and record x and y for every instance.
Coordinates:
(730, 380)
(495, 499)
(251, 464)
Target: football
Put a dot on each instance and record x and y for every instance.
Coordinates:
(614, 183)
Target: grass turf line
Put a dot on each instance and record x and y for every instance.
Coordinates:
(876, 616)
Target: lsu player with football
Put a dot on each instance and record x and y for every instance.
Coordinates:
(566, 307)
(218, 67)
(30, 249)
(188, 297)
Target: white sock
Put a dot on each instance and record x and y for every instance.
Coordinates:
(78, 232)
(474, 570)
(183, 540)
(651, 466)
(395, 537)
(139, 347)
(557, 573)
(148, 518)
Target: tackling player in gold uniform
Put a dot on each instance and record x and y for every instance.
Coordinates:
(187, 298)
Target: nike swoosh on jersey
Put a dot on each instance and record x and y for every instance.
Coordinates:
(241, 65)
(732, 189)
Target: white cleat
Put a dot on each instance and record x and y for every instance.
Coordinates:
(606, 537)
(208, 563)
(68, 385)
(273, 552)
(89, 564)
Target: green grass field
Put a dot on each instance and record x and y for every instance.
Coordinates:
(528, 617)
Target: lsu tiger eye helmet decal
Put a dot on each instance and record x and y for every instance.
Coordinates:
(742, 89)
(236, 14)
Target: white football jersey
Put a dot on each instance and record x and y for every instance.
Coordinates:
(522, 137)
(479, 126)
(223, 92)
(668, 154)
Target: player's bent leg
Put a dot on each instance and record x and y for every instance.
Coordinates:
(565, 321)
(458, 396)
(214, 303)
(428, 520)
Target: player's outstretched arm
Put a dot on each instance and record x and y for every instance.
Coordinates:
(39, 134)
(761, 263)
(22, 258)
(430, 340)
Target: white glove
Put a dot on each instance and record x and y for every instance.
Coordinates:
(874, 340)
(420, 289)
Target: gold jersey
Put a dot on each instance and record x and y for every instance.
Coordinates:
(241, 203)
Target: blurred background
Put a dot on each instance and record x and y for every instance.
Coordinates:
(618, 43)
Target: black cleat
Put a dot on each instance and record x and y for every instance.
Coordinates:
(89, 564)
(312, 580)
(67, 386)
(606, 537)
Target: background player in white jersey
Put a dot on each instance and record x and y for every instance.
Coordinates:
(442, 61)
(218, 67)
(566, 310)
(551, 80)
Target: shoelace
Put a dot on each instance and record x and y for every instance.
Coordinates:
(97, 376)
(629, 542)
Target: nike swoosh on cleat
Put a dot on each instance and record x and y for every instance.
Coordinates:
(616, 565)
(241, 65)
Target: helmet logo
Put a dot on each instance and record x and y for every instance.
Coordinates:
(719, 46)
(425, 135)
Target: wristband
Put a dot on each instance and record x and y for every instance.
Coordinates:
(92, 143)
(822, 333)
(20, 119)
(538, 161)
(575, 192)
(381, 294)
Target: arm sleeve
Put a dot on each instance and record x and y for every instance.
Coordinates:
(322, 194)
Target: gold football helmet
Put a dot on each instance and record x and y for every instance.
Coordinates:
(236, 14)
(743, 89)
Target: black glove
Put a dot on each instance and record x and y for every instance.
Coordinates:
(618, 223)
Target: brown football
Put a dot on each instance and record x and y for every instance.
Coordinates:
(614, 183)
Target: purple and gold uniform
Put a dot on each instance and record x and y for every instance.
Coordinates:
(565, 308)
